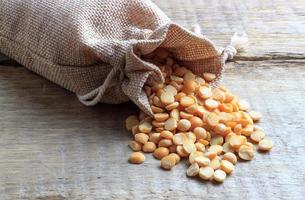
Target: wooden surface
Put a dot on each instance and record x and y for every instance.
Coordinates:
(276, 28)
(52, 147)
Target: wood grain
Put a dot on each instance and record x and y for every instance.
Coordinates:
(51, 145)
(275, 27)
(54, 148)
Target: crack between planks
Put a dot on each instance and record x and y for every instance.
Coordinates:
(271, 56)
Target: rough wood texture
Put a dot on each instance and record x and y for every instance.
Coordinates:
(276, 27)
(52, 147)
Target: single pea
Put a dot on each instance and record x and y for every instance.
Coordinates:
(136, 158)
(149, 147)
(161, 152)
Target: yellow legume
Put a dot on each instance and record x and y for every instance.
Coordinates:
(206, 173)
(219, 175)
(265, 145)
(136, 158)
(193, 170)
(141, 138)
(161, 152)
(149, 147)
(168, 162)
(135, 146)
(191, 117)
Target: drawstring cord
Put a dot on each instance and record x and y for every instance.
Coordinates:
(93, 97)
(238, 43)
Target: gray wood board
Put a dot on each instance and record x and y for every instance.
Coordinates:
(276, 28)
(52, 147)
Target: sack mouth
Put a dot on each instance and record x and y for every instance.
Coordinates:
(195, 52)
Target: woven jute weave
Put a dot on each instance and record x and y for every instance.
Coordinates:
(93, 47)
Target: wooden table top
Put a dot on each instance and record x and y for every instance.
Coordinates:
(53, 147)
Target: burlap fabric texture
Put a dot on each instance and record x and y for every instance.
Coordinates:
(93, 47)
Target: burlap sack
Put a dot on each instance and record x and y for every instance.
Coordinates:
(93, 47)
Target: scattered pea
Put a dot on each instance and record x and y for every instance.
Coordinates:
(176, 156)
(149, 147)
(246, 153)
(193, 170)
(181, 151)
(187, 101)
(145, 127)
(209, 76)
(194, 155)
(189, 147)
(200, 146)
(206, 173)
(216, 148)
(200, 133)
(231, 157)
(161, 152)
(212, 119)
(178, 138)
(155, 138)
(243, 105)
(168, 162)
(215, 163)
(226, 166)
(191, 136)
(167, 98)
(227, 148)
(219, 175)
(172, 106)
(166, 134)
(161, 117)
(236, 141)
(136, 158)
(256, 116)
(165, 143)
(170, 124)
(193, 120)
(211, 103)
(202, 161)
(257, 136)
(205, 92)
(184, 125)
(135, 146)
(131, 121)
(217, 140)
(265, 145)
(141, 138)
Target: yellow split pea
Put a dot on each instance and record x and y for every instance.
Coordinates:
(137, 158)
(190, 119)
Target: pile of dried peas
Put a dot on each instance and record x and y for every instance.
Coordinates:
(209, 126)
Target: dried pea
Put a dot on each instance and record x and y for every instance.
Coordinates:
(168, 162)
(141, 138)
(265, 145)
(161, 152)
(193, 170)
(206, 173)
(149, 147)
(131, 121)
(135, 146)
(219, 175)
(136, 158)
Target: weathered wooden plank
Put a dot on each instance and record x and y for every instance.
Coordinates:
(52, 146)
(274, 27)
